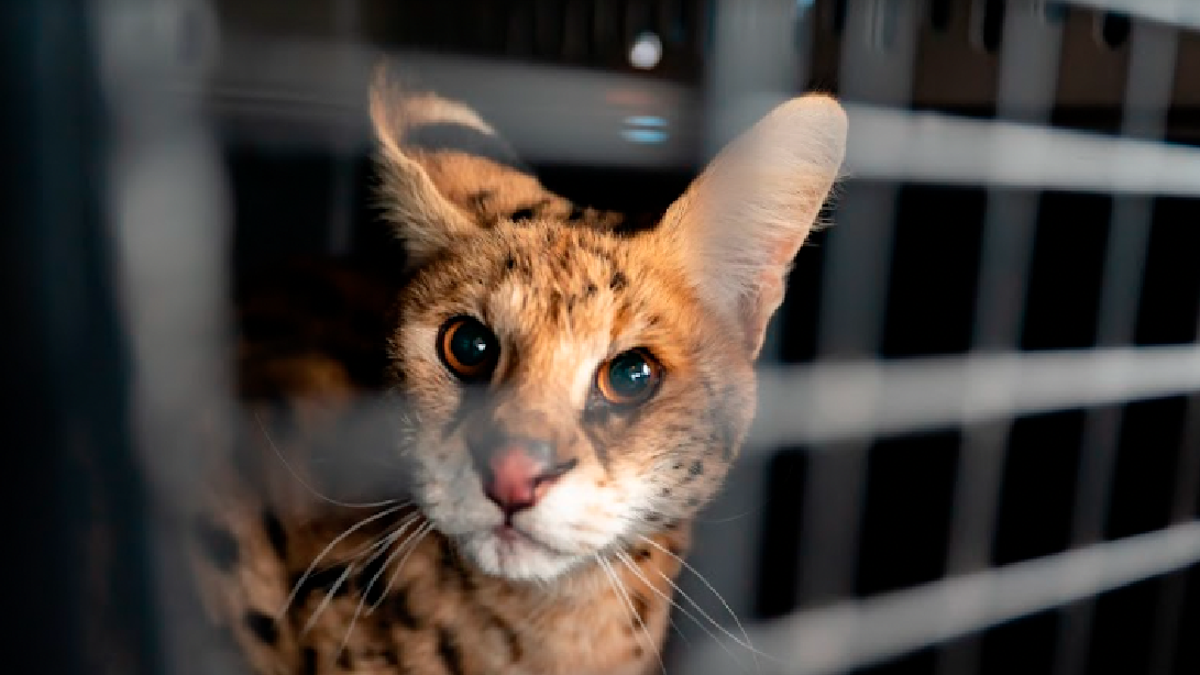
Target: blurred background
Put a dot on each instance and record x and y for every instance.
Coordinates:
(978, 449)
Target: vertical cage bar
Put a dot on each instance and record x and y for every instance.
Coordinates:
(878, 53)
(1169, 607)
(169, 214)
(1025, 93)
(1144, 106)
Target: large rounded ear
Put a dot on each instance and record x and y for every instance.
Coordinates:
(741, 222)
(421, 215)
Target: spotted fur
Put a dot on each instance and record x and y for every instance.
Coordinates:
(350, 403)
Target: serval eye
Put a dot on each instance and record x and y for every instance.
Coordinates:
(628, 378)
(468, 348)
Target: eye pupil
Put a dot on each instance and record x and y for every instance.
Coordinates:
(468, 348)
(629, 378)
(470, 345)
(630, 374)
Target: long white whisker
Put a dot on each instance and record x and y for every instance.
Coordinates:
(389, 538)
(628, 562)
(312, 620)
(412, 544)
(362, 599)
(745, 636)
(295, 474)
(754, 652)
(620, 589)
(325, 551)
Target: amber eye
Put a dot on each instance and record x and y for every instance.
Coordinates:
(628, 378)
(468, 348)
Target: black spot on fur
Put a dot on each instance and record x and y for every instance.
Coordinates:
(262, 627)
(219, 545)
(653, 517)
(638, 652)
(308, 661)
(640, 607)
(515, 651)
(373, 593)
(322, 579)
(694, 502)
(401, 611)
(449, 652)
(510, 263)
(641, 554)
(619, 281)
(696, 469)
(275, 533)
(590, 291)
(343, 660)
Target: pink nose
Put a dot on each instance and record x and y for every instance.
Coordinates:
(516, 475)
(514, 479)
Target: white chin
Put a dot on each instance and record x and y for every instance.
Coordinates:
(516, 558)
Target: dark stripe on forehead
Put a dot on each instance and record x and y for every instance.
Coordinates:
(467, 140)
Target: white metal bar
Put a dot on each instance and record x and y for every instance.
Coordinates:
(827, 402)
(934, 147)
(853, 634)
(1027, 81)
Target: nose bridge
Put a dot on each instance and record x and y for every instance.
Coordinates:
(535, 413)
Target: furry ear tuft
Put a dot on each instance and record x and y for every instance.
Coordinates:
(420, 214)
(741, 222)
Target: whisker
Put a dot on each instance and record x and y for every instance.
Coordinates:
(325, 551)
(295, 474)
(362, 599)
(312, 619)
(389, 537)
(628, 562)
(746, 636)
(684, 610)
(412, 544)
(620, 589)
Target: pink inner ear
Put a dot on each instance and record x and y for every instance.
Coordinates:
(759, 307)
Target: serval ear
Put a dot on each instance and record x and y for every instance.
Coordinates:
(422, 216)
(739, 225)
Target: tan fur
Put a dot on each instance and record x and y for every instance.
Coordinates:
(564, 289)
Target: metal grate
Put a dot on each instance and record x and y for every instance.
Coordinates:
(979, 444)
